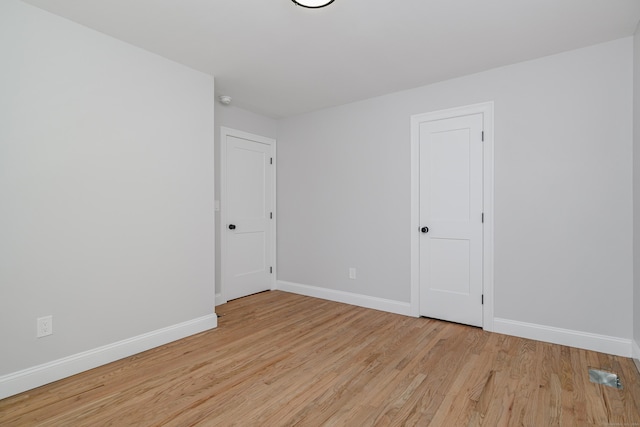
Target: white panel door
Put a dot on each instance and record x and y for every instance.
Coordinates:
(451, 219)
(247, 258)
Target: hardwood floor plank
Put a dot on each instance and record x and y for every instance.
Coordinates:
(280, 359)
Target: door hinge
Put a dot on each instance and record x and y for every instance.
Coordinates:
(482, 299)
(270, 270)
(483, 217)
(270, 215)
(482, 136)
(271, 159)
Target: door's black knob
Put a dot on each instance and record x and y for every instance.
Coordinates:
(425, 229)
(232, 227)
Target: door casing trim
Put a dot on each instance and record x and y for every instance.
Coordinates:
(486, 109)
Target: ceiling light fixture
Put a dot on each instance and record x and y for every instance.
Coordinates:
(313, 4)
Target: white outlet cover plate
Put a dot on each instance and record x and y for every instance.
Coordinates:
(44, 326)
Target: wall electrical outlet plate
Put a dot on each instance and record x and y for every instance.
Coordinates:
(44, 326)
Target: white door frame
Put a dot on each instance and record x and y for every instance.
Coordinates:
(224, 132)
(486, 109)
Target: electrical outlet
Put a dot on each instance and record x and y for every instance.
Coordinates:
(352, 273)
(45, 326)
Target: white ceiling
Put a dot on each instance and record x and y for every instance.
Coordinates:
(279, 59)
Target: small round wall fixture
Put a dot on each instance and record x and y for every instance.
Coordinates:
(313, 4)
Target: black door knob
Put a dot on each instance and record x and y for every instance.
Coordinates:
(232, 227)
(425, 229)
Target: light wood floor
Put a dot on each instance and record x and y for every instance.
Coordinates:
(283, 359)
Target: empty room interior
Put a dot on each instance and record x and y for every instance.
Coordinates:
(347, 212)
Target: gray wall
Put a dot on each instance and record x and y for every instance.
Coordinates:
(106, 189)
(563, 193)
(240, 119)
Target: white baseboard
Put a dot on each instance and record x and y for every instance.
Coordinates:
(359, 300)
(568, 337)
(635, 351)
(584, 340)
(37, 376)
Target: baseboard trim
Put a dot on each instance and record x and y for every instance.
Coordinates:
(635, 351)
(37, 376)
(359, 300)
(568, 337)
(585, 340)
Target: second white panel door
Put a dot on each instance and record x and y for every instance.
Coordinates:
(451, 219)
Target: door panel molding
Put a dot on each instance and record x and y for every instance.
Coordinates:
(225, 133)
(486, 109)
